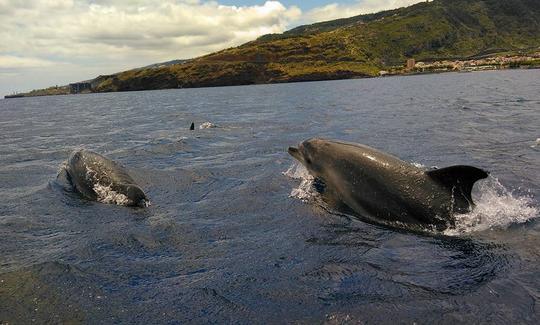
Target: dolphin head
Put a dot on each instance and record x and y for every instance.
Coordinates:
(311, 154)
(136, 196)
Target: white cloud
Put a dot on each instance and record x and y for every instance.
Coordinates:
(335, 10)
(10, 62)
(132, 31)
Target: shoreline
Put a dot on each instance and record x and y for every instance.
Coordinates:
(426, 70)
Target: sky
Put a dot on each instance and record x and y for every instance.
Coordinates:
(54, 42)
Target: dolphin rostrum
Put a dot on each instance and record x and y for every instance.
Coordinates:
(383, 188)
(99, 178)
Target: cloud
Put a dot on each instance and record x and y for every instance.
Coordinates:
(10, 62)
(335, 10)
(135, 31)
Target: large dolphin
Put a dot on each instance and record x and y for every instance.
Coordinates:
(99, 178)
(383, 188)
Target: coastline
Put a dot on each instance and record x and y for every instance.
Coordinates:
(416, 68)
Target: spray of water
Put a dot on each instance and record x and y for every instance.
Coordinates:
(207, 125)
(305, 191)
(496, 208)
(106, 195)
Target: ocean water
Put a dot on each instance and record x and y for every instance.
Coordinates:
(235, 233)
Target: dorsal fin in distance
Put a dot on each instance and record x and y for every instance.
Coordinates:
(459, 177)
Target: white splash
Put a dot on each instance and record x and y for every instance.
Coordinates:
(424, 167)
(305, 191)
(496, 208)
(207, 125)
(106, 195)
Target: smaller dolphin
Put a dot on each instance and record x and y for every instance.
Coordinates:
(384, 188)
(101, 179)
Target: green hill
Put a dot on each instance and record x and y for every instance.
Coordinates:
(354, 47)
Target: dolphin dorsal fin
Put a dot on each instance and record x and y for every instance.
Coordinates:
(461, 178)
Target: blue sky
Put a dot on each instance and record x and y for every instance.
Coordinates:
(55, 42)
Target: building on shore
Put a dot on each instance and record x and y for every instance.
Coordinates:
(79, 87)
(410, 64)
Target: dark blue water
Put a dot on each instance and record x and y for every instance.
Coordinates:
(228, 237)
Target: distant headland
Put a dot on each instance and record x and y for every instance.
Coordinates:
(429, 37)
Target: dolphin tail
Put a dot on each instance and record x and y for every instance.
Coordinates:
(459, 179)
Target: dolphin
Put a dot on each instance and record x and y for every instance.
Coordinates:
(385, 189)
(100, 179)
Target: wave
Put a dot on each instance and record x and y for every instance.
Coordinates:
(496, 208)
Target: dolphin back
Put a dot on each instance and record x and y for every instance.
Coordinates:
(460, 181)
(91, 173)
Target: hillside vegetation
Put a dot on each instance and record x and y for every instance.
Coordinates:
(354, 47)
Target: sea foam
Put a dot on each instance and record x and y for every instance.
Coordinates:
(305, 190)
(106, 195)
(496, 208)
